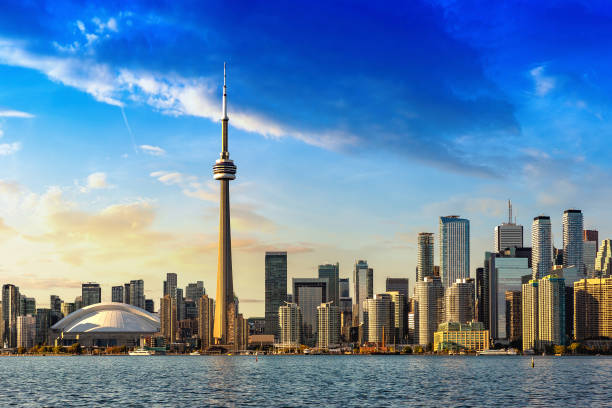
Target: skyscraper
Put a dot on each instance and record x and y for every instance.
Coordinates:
(194, 291)
(397, 285)
(344, 288)
(91, 293)
(126, 293)
(167, 318)
(226, 310)
(514, 320)
(205, 321)
(603, 262)
(290, 320)
(529, 299)
(541, 242)
(276, 289)
(430, 312)
(508, 234)
(379, 321)
(591, 235)
(363, 279)
(26, 331)
(454, 249)
(593, 309)
(117, 294)
(332, 272)
(459, 299)
(551, 310)
(10, 312)
(55, 303)
(425, 255)
(399, 317)
(573, 253)
(328, 321)
(149, 305)
(170, 284)
(137, 297)
(308, 294)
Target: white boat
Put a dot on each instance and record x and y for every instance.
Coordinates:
(141, 352)
(195, 353)
(496, 352)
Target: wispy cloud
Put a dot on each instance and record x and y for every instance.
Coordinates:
(9, 113)
(543, 84)
(6, 149)
(152, 150)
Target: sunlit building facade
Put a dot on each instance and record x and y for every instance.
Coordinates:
(454, 249)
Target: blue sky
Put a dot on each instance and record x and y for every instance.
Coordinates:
(353, 125)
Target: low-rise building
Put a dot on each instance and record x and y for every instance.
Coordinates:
(461, 336)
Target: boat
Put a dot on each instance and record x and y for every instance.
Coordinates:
(141, 352)
(496, 353)
(195, 353)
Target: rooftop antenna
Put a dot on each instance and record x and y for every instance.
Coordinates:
(509, 212)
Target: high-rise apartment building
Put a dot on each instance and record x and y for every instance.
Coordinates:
(529, 299)
(378, 320)
(167, 318)
(430, 311)
(508, 274)
(276, 289)
(26, 331)
(541, 242)
(170, 284)
(67, 308)
(55, 303)
(514, 319)
(589, 249)
(206, 309)
(308, 294)
(399, 318)
(460, 301)
(117, 294)
(126, 293)
(508, 234)
(137, 297)
(194, 291)
(290, 320)
(10, 312)
(425, 255)
(331, 273)
(91, 293)
(27, 305)
(344, 288)
(551, 310)
(398, 285)
(593, 309)
(454, 249)
(328, 320)
(591, 235)
(363, 279)
(603, 262)
(573, 232)
(149, 305)
(43, 324)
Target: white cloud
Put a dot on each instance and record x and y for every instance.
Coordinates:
(9, 113)
(152, 150)
(168, 177)
(170, 94)
(97, 181)
(81, 26)
(6, 149)
(543, 84)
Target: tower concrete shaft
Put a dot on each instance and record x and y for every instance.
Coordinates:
(224, 170)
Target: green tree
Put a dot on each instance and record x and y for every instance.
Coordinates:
(407, 350)
(57, 350)
(559, 349)
(75, 349)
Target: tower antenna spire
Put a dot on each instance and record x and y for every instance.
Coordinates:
(509, 212)
(224, 91)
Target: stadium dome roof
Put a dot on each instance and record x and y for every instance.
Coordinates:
(109, 318)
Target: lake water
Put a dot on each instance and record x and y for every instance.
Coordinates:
(281, 381)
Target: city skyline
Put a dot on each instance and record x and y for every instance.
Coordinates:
(105, 158)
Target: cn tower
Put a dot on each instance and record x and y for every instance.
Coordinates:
(224, 170)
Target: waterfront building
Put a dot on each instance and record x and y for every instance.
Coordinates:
(454, 249)
(205, 321)
(26, 331)
(226, 308)
(508, 274)
(430, 311)
(257, 325)
(10, 312)
(67, 308)
(529, 300)
(344, 288)
(459, 299)
(168, 319)
(479, 307)
(412, 327)
(425, 255)
(137, 297)
(379, 319)
(508, 234)
(106, 325)
(328, 331)
(542, 250)
(331, 273)
(194, 291)
(290, 320)
(149, 305)
(363, 279)
(514, 319)
(308, 294)
(454, 336)
(91, 293)
(170, 284)
(43, 324)
(399, 318)
(590, 253)
(573, 252)
(593, 309)
(551, 310)
(603, 262)
(117, 294)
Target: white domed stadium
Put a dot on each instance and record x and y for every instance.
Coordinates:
(105, 325)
